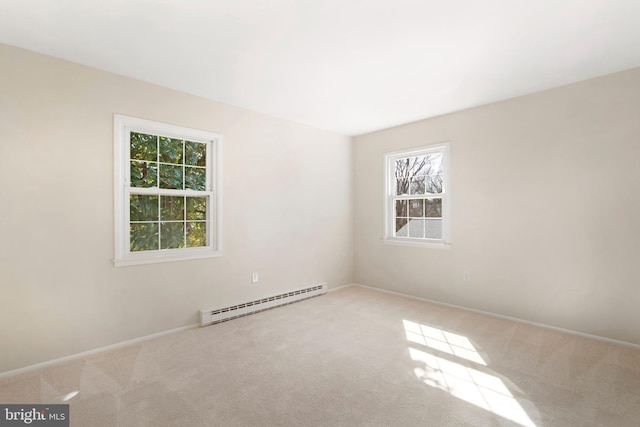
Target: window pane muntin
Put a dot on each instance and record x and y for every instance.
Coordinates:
(435, 185)
(173, 153)
(191, 211)
(408, 210)
(191, 231)
(432, 205)
(419, 174)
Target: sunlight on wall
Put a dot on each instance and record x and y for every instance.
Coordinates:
(471, 385)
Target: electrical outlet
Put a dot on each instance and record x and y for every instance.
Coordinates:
(466, 276)
(254, 277)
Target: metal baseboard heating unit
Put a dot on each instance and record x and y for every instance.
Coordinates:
(218, 315)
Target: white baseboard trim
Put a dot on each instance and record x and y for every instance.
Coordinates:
(115, 346)
(500, 316)
(53, 362)
(348, 285)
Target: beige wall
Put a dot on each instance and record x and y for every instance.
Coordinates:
(287, 211)
(546, 209)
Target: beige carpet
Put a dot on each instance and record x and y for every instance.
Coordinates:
(354, 357)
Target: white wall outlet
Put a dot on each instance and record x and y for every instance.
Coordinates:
(254, 277)
(466, 276)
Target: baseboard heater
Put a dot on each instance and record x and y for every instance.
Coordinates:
(218, 315)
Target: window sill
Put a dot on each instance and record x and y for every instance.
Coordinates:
(416, 243)
(156, 258)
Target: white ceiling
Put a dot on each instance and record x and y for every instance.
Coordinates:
(350, 66)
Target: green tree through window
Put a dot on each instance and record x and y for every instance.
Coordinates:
(167, 221)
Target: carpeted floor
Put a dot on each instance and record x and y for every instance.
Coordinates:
(354, 357)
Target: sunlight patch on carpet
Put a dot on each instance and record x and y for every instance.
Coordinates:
(474, 386)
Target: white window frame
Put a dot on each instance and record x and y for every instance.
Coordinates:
(390, 197)
(123, 256)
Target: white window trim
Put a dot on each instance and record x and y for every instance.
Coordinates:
(122, 125)
(389, 193)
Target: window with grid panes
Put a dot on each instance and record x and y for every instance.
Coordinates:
(417, 196)
(167, 192)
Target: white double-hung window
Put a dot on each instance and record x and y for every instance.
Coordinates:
(167, 192)
(417, 196)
